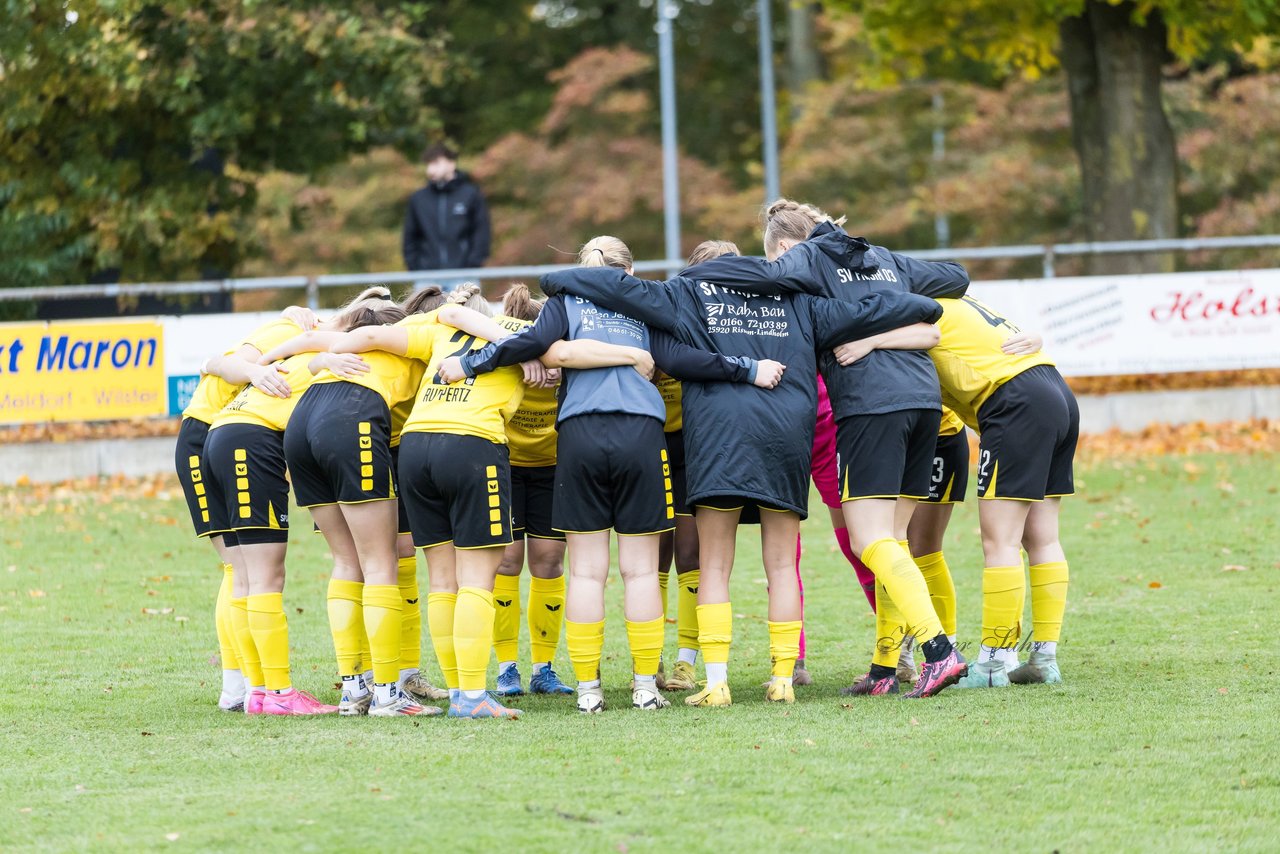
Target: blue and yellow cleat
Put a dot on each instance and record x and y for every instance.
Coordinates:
(545, 681)
(985, 674)
(484, 706)
(509, 683)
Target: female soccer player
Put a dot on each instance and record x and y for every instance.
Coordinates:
(245, 453)
(748, 452)
(222, 379)
(531, 437)
(454, 477)
(612, 471)
(887, 407)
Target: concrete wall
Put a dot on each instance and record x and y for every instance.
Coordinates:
(51, 462)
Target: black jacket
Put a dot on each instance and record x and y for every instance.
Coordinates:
(832, 263)
(446, 226)
(743, 441)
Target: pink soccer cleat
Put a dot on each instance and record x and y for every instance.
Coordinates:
(253, 701)
(294, 702)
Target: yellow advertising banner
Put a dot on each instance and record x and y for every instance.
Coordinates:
(72, 371)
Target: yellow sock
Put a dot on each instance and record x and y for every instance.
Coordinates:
(250, 664)
(890, 630)
(345, 601)
(687, 609)
(546, 616)
(942, 591)
(784, 646)
(585, 642)
(382, 626)
(440, 608)
(894, 568)
(222, 622)
(473, 636)
(366, 656)
(270, 630)
(506, 620)
(645, 640)
(1048, 600)
(1022, 605)
(410, 614)
(1002, 590)
(664, 580)
(715, 632)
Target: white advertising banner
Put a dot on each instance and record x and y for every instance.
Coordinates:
(1115, 325)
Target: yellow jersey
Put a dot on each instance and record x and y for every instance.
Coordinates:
(212, 393)
(531, 432)
(673, 399)
(951, 423)
(251, 406)
(394, 378)
(970, 363)
(477, 406)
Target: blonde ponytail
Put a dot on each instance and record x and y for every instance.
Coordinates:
(468, 295)
(520, 304)
(605, 251)
(785, 219)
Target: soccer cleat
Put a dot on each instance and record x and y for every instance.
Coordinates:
(231, 702)
(985, 674)
(648, 699)
(779, 691)
(800, 676)
(422, 690)
(509, 683)
(294, 702)
(865, 686)
(484, 706)
(253, 701)
(660, 679)
(712, 695)
(1039, 669)
(681, 678)
(403, 706)
(545, 681)
(907, 662)
(349, 707)
(937, 675)
(591, 700)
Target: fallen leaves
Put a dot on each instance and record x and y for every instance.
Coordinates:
(1155, 585)
(1259, 435)
(1234, 567)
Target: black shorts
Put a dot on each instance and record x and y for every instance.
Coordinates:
(613, 471)
(679, 485)
(188, 456)
(457, 489)
(402, 513)
(949, 477)
(532, 497)
(886, 455)
(245, 474)
(750, 507)
(338, 446)
(1029, 428)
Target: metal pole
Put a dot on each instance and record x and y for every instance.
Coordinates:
(941, 225)
(667, 12)
(768, 105)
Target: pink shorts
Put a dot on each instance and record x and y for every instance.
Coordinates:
(826, 475)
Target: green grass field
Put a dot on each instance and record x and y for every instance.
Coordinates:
(1163, 737)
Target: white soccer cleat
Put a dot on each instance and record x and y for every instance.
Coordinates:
(590, 701)
(648, 699)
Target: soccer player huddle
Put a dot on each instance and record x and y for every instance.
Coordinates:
(667, 412)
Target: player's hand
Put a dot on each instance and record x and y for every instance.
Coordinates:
(768, 373)
(553, 378)
(535, 374)
(451, 370)
(269, 379)
(304, 317)
(851, 351)
(644, 363)
(1022, 344)
(345, 365)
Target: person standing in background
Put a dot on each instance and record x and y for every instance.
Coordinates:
(446, 225)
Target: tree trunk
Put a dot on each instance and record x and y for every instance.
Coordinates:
(804, 62)
(1128, 158)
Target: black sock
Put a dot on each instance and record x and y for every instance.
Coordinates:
(936, 649)
(880, 671)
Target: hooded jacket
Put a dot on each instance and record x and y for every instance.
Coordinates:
(446, 226)
(743, 441)
(832, 263)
